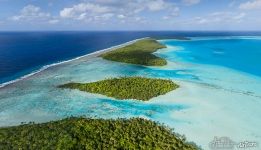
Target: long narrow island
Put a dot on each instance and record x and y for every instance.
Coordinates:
(139, 53)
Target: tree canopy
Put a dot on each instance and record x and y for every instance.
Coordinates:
(139, 88)
(87, 133)
(139, 53)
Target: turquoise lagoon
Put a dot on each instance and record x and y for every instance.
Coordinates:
(220, 93)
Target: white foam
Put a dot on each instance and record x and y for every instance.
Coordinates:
(66, 61)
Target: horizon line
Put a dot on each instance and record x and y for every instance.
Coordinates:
(130, 30)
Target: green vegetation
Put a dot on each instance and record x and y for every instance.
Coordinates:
(86, 133)
(139, 53)
(139, 88)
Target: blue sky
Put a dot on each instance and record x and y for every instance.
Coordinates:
(130, 15)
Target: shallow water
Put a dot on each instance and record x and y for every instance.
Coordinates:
(214, 99)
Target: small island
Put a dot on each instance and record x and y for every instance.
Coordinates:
(139, 88)
(139, 53)
(87, 133)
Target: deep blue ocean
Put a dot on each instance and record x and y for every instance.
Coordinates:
(24, 52)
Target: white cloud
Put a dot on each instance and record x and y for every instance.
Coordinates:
(136, 5)
(217, 18)
(190, 2)
(174, 12)
(157, 5)
(126, 10)
(120, 16)
(250, 5)
(82, 10)
(104, 16)
(31, 12)
(34, 15)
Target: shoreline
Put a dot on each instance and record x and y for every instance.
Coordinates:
(93, 54)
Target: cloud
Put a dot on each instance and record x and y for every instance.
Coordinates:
(82, 9)
(250, 5)
(106, 16)
(34, 15)
(190, 2)
(217, 18)
(87, 12)
(30, 12)
(157, 5)
(136, 5)
(226, 17)
(174, 12)
(120, 16)
(113, 9)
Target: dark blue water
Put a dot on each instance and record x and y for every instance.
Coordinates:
(24, 52)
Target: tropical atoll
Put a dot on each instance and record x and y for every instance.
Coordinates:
(86, 133)
(139, 88)
(139, 53)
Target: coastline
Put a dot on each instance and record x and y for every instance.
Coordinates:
(93, 54)
(96, 53)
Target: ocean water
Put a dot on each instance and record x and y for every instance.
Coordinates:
(219, 92)
(241, 53)
(22, 53)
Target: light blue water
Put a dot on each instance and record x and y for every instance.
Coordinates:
(217, 97)
(242, 54)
